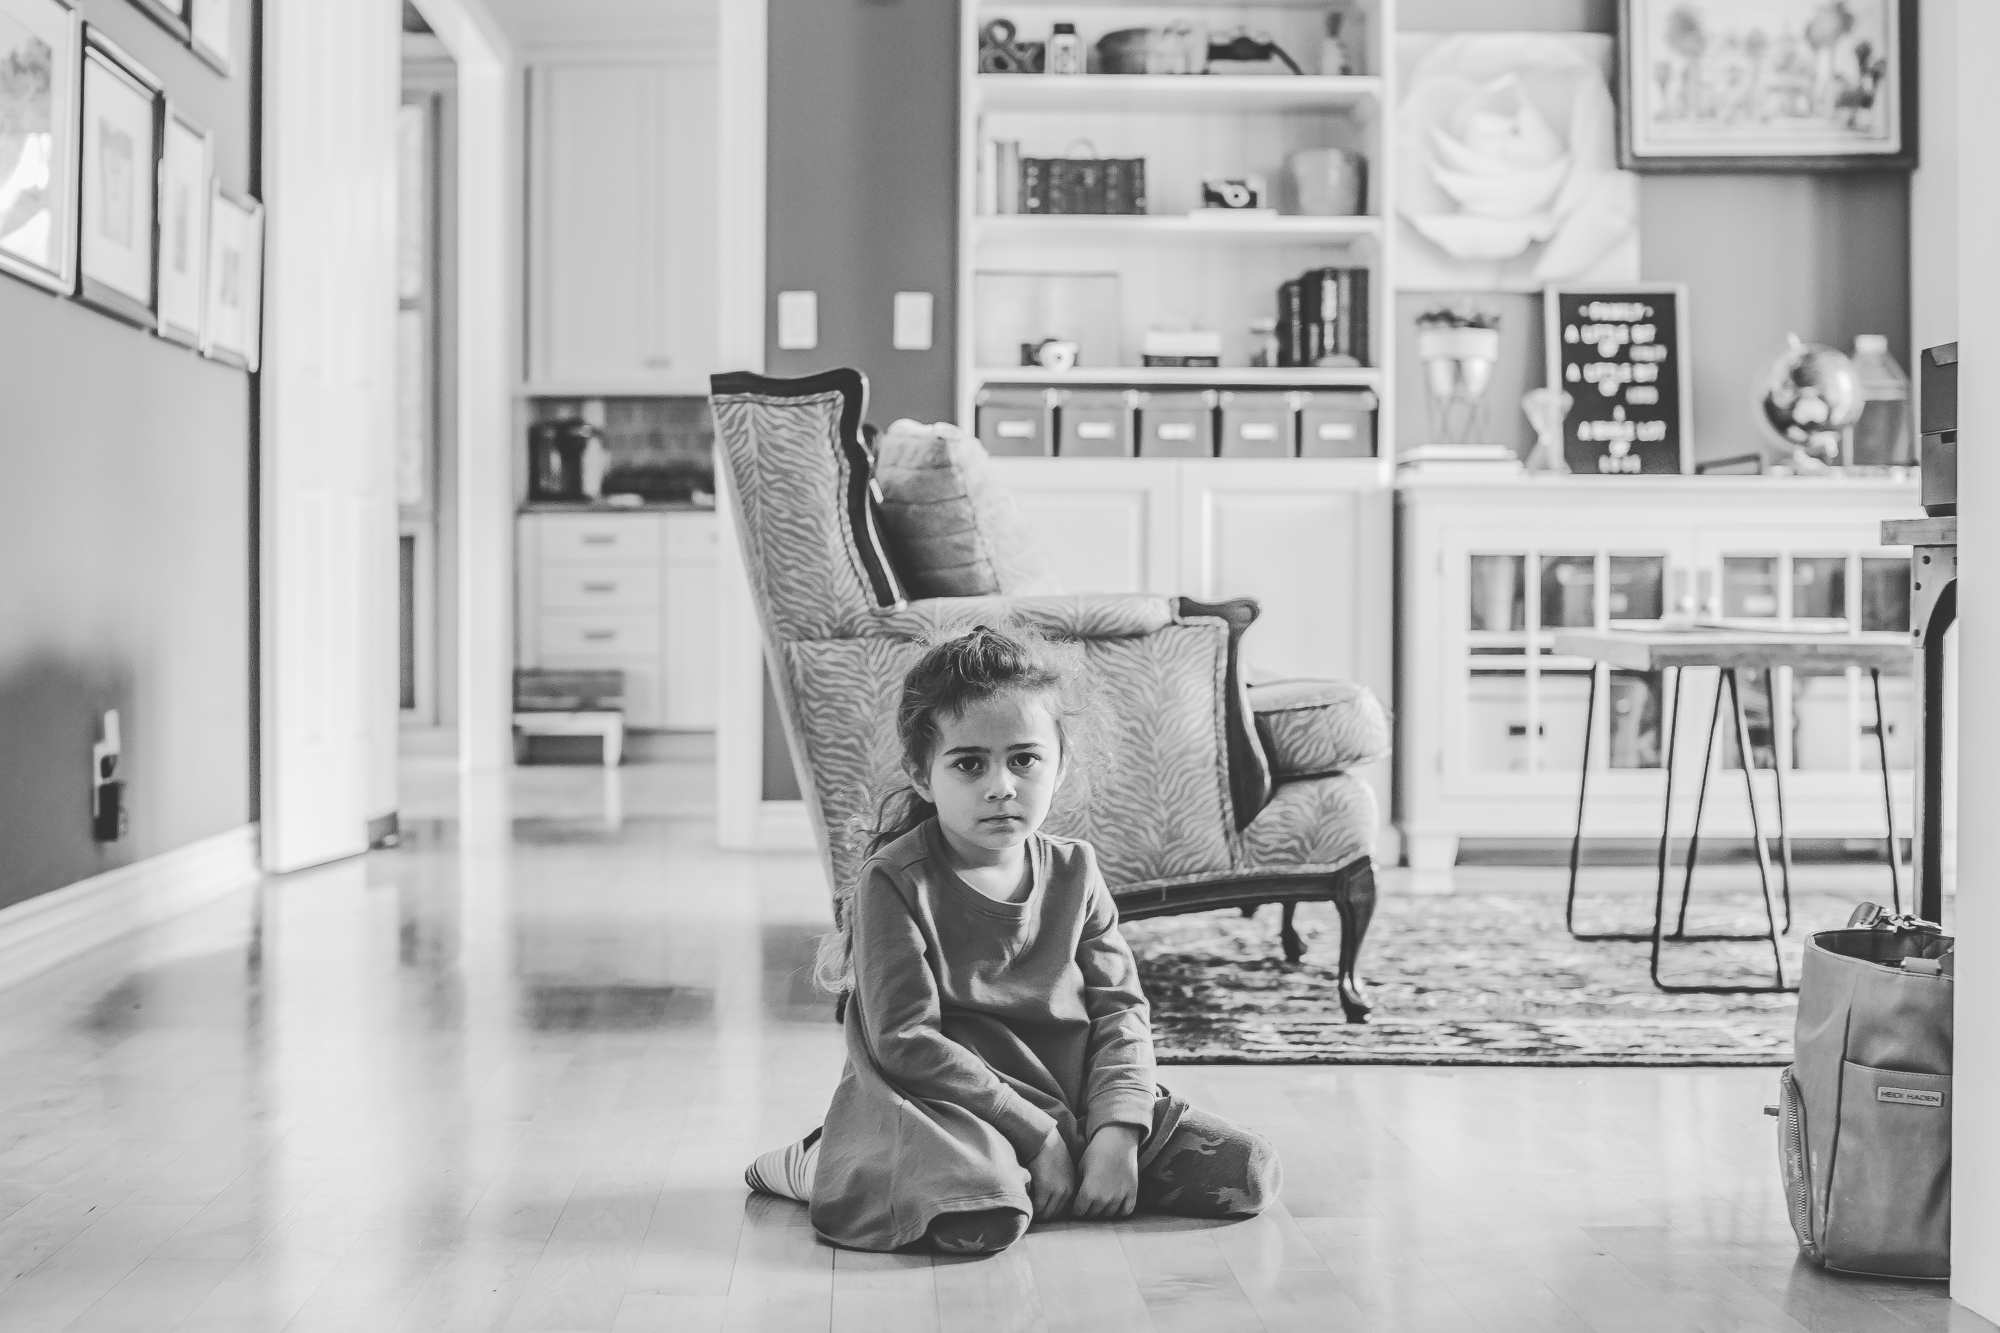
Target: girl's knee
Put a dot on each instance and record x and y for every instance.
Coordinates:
(983, 1232)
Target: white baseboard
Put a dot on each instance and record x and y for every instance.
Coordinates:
(49, 930)
(784, 826)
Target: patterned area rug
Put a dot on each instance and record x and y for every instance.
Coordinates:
(1480, 978)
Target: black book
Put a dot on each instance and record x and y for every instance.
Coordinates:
(1355, 309)
(1086, 185)
(1327, 306)
(1292, 324)
(1135, 172)
(1034, 185)
(1117, 185)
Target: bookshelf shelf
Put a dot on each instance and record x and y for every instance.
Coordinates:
(1020, 228)
(1199, 377)
(1177, 92)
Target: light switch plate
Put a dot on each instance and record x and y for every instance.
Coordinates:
(913, 322)
(798, 321)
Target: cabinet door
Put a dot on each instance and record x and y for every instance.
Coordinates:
(689, 660)
(1313, 549)
(623, 185)
(1107, 525)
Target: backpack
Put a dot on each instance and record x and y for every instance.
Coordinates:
(1864, 1111)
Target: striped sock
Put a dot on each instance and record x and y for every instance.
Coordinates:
(788, 1171)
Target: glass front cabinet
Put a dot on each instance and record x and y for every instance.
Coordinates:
(1491, 727)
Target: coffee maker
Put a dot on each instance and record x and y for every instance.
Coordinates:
(555, 459)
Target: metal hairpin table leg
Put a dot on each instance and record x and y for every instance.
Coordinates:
(1582, 789)
(1724, 676)
(1888, 797)
(1778, 777)
(1700, 804)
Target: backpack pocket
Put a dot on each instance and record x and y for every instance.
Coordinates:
(1794, 1169)
(1888, 1208)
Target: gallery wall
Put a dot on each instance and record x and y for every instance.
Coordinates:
(125, 541)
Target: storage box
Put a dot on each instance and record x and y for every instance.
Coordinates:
(1177, 424)
(1094, 423)
(1259, 425)
(1337, 424)
(1017, 422)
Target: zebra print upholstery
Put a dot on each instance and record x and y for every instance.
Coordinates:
(1154, 796)
(1314, 727)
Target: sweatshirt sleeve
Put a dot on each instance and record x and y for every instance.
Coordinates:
(1121, 1085)
(900, 1018)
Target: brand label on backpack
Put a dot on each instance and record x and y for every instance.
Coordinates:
(1909, 1096)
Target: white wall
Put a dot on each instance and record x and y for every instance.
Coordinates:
(1976, 1118)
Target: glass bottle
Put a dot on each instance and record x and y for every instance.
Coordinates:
(1065, 55)
(1882, 437)
(1264, 341)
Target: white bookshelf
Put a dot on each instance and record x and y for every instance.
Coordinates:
(1174, 264)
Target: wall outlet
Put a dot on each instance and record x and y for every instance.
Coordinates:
(912, 326)
(798, 321)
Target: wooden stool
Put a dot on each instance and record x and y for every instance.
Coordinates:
(609, 725)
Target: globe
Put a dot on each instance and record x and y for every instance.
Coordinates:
(1807, 400)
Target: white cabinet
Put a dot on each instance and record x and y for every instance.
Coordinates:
(1311, 540)
(1492, 723)
(627, 592)
(622, 178)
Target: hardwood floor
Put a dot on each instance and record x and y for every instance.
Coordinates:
(514, 1086)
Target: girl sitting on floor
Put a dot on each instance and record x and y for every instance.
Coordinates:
(999, 1058)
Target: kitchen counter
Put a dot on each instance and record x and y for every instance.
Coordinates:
(599, 507)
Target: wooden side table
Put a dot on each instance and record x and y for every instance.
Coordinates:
(1933, 544)
(1729, 652)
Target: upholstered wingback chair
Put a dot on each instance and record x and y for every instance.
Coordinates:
(1215, 794)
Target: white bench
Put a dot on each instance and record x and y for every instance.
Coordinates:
(608, 725)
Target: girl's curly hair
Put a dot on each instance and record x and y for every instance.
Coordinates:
(954, 673)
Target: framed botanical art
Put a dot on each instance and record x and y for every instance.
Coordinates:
(169, 14)
(209, 30)
(121, 155)
(1767, 85)
(232, 319)
(184, 189)
(41, 67)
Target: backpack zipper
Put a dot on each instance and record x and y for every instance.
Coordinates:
(1799, 1187)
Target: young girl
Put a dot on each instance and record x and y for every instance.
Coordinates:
(999, 1060)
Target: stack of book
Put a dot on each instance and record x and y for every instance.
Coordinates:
(1460, 460)
(1323, 318)
(1010, 183)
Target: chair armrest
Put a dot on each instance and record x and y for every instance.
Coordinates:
(1091, 615)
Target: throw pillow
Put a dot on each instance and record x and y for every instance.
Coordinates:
(951, 529)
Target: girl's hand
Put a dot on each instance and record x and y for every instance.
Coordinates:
(1051, 1178)
(1110, 1186)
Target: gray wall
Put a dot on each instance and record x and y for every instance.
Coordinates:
(1822, 256)
(862, 185)
(125, 541)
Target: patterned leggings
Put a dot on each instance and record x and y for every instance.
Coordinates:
(1193, 1164)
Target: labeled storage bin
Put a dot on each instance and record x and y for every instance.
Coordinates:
(1337, 424)
(1259, 424)
(1017, 422)
(1177, 424)
(1094, 423)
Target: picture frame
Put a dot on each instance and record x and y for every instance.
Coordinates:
(169, 14)
(232, 314)
(210, 30)
(1767, 85)
(186, 154)
(1614, 426)
(41, 96)
(119, 191)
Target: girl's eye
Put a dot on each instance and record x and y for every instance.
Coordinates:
(1025, 761)
(966, 764)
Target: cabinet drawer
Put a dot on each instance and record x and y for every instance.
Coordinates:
(589, 587)
(600, 537)
(644, 704)
(691, 538)
(607, 635)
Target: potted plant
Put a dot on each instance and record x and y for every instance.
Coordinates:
(1460, 346)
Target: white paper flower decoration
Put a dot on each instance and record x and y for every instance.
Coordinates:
(1507, 169)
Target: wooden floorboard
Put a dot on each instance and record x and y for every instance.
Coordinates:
(514, 1087)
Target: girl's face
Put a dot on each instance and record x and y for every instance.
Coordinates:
(994, 771)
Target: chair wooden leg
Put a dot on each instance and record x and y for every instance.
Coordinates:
(1288, 935)
(1355, 901)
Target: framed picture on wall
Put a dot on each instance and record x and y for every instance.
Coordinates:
(169, 14)
(184, 189)
(209, 29)
(232, 319)
(41, 68)
(1767, 85)
(121, 156)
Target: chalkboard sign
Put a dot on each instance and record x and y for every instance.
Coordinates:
(1621, 355)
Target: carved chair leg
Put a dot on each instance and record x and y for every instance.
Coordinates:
(1288, 935)
(1355, 901)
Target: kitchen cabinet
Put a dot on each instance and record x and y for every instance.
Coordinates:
(630, 592)
(1493, 723)
(621, 238)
